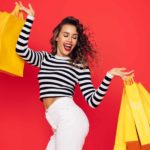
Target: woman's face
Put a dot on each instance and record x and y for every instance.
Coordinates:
(66, 40)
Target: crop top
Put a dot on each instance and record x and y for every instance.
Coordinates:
(56, 76)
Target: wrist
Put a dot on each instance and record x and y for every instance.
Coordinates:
(109, 74)
(31, 17)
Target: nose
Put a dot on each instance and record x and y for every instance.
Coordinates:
(69, 39)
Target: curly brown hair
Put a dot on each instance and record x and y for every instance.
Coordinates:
(84, 49)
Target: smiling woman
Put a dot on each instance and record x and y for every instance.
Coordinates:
(67, 40)
(60, 71)
(69, 37)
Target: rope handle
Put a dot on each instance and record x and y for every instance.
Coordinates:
(129, 80)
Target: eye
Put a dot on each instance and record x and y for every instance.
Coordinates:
(65, 35)
(75, 37)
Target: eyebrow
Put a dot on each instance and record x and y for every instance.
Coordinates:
(69, 33)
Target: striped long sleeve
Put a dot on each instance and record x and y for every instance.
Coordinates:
(93, 96)
(57, 77)
(22, 49)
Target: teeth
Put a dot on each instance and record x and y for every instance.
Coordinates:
(68, 45)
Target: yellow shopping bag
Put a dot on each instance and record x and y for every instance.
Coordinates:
(135, 98)
(135, 105)
(126, 131)
(10, 27)
(145, 100)
(130, 133)
(120, 138)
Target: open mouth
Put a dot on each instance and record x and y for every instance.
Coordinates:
(67, 47)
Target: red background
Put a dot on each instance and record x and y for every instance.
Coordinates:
(121, 30)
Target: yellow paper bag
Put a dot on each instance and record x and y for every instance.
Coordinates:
(126, 130)
(10, 27)
(133, 130)
(129, 127)
(135, 101)
(145, 96)
(120, 138)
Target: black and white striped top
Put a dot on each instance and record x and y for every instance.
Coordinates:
(57, 77)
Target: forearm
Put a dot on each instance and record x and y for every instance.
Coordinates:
(22, 49)
(22, 43)
(98, 95)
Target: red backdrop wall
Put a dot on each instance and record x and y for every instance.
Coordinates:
(121, 30)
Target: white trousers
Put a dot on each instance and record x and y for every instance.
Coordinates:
(70, 123)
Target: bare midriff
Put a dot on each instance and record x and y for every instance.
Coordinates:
(49, 101)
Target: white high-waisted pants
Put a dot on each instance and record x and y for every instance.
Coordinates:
(70, 123)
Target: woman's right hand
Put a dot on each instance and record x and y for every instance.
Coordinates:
(121, 72)
(29, 10)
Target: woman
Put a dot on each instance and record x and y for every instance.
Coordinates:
(59, 72)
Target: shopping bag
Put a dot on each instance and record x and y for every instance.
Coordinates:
(135, 102)
(134, 98)
(131, 136)
(145, 100)
(10, 27)
(120, 138)
(129, 127)
(126, 133)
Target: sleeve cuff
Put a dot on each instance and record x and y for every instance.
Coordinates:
(109, 75)
(30, 17)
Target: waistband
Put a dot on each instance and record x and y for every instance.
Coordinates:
(61, 102)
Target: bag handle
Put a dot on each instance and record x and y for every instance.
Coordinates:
(16, 12)
(129, 80)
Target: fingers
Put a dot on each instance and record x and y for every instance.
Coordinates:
(122, 69)
(127, 73)
(30, 6)
(29, 10)
(126, 77)
(130, 75)
(121, 72)
(20, 3)
(23, 7)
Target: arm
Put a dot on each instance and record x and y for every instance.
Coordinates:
(22, 49)
(93, 96)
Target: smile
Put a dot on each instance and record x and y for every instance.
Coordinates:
(67, 47)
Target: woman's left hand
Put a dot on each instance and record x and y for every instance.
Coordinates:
(121, 72)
